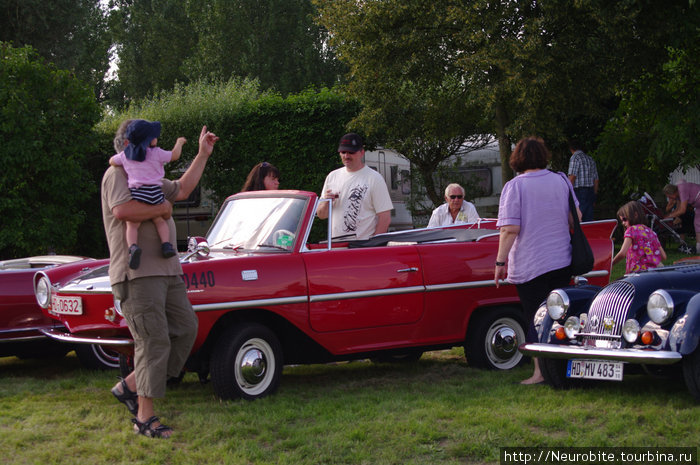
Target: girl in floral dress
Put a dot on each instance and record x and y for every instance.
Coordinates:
(641, 246)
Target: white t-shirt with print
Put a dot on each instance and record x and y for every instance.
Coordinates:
(362, 194)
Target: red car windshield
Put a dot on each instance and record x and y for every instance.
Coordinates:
(257, 223)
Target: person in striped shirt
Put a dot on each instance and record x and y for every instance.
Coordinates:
(583, 175)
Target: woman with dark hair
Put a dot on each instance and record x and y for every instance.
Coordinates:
(534, 248)
(263, 176)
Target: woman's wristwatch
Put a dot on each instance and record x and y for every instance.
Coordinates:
(500, 263)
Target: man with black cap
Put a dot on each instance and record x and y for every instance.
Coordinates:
(361, 203)
(153, 298)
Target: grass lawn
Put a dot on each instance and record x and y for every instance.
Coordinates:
(436, 411)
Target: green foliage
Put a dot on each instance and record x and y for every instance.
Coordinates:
(46, 120)
(153, 38)
(197, 100)
(424, 114)
(655, 128)
(545, 68)
(298, 133)
(72, 34)
(273, 41)
(162, 42)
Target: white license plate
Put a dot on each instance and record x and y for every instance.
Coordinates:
(67, 305)
(594, 369)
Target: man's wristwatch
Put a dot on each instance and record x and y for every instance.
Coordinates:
(500, 263)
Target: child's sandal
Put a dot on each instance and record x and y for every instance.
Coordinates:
(146, 428)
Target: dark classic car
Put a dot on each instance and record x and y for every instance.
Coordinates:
(266, 296)
(21, 319)
(647, 320)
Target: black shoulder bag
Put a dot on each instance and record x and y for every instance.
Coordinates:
(581, 253)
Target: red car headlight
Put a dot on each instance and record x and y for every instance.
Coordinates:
(42, 292)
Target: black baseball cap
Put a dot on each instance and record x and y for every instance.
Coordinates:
(350, 142)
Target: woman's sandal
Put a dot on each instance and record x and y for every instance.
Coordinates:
(127, 397)
(147, 430)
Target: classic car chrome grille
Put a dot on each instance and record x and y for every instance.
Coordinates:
(608, 312)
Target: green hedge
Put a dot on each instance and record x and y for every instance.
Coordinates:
(55, 149)
(298, 134)
(46, 121)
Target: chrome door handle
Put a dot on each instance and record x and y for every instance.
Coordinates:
(406, 270)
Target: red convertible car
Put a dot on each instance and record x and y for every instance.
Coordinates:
(21, 319)
(266, 295)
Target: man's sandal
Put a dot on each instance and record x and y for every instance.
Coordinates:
(127, 397)
(146, 428)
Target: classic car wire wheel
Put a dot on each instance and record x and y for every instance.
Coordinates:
(97, 357)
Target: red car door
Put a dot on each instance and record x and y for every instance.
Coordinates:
(373, 296)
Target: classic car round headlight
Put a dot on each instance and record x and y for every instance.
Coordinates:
(660, 306)
(42, 292)
(572, 326)
(557, 304)
(630, 330)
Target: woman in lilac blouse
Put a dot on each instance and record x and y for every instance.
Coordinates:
(534, 249)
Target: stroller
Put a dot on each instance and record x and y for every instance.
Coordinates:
(661, 225)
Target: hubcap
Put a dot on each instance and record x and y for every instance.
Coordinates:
(502, 343)
(253, 366)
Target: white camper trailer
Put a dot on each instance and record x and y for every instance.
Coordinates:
(396, 171)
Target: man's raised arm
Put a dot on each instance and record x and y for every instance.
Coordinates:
(191, 177)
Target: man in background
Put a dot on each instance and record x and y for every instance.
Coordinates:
(583, 175)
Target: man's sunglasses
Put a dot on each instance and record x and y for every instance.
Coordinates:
(456, 197)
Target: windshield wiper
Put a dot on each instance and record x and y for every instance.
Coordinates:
(272, 246)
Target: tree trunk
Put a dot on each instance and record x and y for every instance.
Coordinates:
(504, 142)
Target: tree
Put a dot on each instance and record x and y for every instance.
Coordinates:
(425, 115)
(153, 39)
(273, 41)
(72, 34)
(655, 128)
(163, 42)
(531, 67)
(46, 121)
